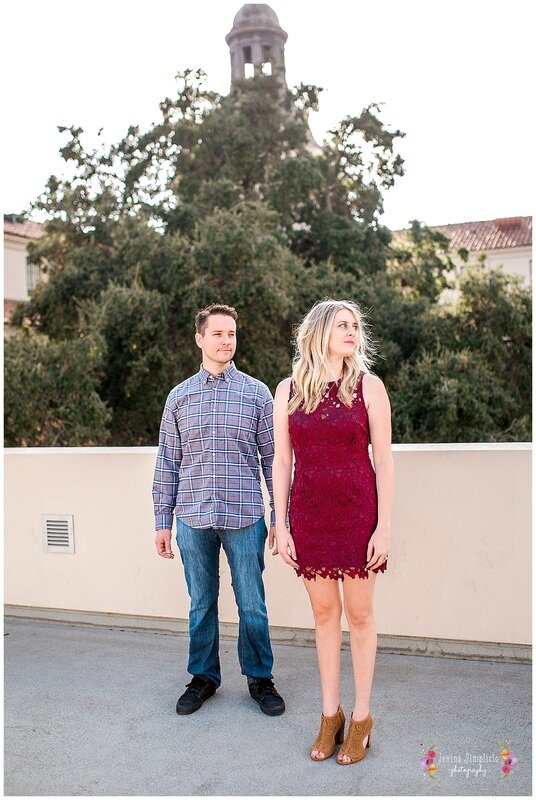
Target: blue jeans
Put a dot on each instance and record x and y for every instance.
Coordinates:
(200, 554)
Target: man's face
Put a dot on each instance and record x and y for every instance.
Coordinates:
(218, 341)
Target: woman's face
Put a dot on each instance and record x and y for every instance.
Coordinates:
(343, 337)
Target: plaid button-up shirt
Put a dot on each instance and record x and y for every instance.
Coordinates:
(207, 469)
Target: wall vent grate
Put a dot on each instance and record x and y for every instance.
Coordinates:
(58, 533)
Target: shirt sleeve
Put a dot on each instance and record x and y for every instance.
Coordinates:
(166, 474)
(265, 444)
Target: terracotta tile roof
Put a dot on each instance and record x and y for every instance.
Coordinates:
(26, 230)
(493, 234)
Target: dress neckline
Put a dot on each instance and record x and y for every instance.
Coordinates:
(330, 383)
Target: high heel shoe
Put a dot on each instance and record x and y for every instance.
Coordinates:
(331, 733)
(353, 744)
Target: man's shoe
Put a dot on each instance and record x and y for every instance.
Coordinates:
(265, 694)
(197, 691)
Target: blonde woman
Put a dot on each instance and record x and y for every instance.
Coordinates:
(325, 415)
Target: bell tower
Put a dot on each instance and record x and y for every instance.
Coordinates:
(257, 43)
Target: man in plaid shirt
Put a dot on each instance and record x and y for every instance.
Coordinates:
(214, 427)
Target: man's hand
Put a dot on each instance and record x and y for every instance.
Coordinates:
(271, 537)
(163, 544)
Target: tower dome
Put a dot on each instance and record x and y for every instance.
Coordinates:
(256, 15)
(257, 43)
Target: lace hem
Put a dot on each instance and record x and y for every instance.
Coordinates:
(336, 573)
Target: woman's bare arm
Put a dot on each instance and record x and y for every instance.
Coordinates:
(379, 413)
(282, 474)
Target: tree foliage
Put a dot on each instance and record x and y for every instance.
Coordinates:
(229, 199)
(51, 393)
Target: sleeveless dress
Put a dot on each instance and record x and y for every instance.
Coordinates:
(333, 508)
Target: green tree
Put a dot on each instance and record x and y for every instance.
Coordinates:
(448, 396)
(51, 393)
(419, 263)
(229, 199)
(241, 254)
(493, 317)
(137, 361)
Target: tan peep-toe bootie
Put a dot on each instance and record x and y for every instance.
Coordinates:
(331, 733)
(353, 744)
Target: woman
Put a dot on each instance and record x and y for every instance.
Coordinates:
(340, 506)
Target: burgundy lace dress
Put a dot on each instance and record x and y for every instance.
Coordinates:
(333, 508)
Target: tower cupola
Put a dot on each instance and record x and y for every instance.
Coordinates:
(257, 43)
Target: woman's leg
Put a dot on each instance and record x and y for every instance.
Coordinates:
(324, 594)
(358, 596)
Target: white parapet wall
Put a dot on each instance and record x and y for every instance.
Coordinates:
(459, 568)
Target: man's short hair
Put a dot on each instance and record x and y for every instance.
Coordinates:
(214, 308)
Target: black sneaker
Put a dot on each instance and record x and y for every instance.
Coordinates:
(197, 691)
(265, 694)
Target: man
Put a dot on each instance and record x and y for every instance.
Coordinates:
(214, 427)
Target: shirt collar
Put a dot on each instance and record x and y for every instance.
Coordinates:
(227, 375)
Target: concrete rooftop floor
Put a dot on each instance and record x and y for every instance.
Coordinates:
(91, 711)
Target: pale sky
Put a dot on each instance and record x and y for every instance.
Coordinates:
(453, 75)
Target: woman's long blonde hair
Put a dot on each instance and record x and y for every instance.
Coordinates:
(310, 367)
